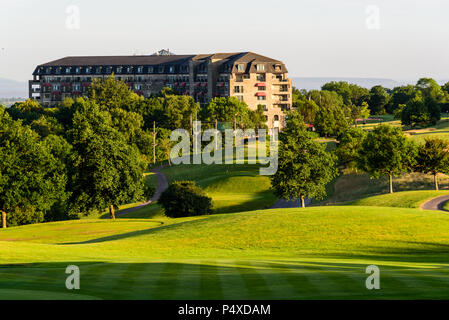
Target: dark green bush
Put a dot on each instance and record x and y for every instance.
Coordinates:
(185, 199)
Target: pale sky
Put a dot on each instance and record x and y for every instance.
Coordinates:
(408, 39)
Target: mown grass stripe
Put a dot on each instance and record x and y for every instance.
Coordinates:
(255, 284)
(168, 281)
(210, 284)
(300, 284)
(189, 281)
(148, 280)
(232, 285)
(276, 279)
(101, 279)
(127, 285)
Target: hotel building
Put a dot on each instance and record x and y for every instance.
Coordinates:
(252, 78)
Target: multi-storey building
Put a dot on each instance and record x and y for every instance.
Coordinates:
(252, 78)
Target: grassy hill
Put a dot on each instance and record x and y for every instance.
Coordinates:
(281, 254)
(407, 199)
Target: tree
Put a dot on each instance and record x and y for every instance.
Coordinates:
(111, 93)
(30, 178)
(360, 112)
(378, 100)
(257, 118)
(349, 145)
(226, 110)
(400, 96)
(304, 165)
(105, 171)
(433, 158)
(387, 151)
(307, 109)
(185, 199)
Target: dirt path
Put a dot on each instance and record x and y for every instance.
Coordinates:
(282, 203)
(162, 185)
(435, 204)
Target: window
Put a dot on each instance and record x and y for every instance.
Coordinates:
(77, 87)
(171, 69)
(261, 77)
(240, 67)
(129, 69)
(261, 67)
(58, 70)
(139, 69)
(119, 69)
(262, 88)
(264, 106)
(240, 98)
(150, 69)
(98, 70)
(108, 69)
(276, 118)
(138, 87)
(47, 70)
(238, 89)
(161, 69)
(87, 69)
(77, 70)
(262, 98)
(67, 70)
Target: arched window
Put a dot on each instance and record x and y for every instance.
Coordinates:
(276, 118)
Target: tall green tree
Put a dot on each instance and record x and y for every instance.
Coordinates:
(111, 93)
(349, 145)
(433, 158)
(226, 110)
(378, 100)
(105, 170)
(305, 167)
(387, 151)
(30, 179)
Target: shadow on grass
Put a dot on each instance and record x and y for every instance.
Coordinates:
(217, 280)
(135, 233)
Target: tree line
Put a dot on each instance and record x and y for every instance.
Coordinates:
(306, 167)
(338, 105)
(90, 154)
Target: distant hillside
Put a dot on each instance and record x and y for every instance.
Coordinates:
(317, 83)
(13, 89)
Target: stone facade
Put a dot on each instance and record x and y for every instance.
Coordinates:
(252, 78)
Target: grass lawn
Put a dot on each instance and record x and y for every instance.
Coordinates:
(407, 199)
(233, 188)
(273, 254)
(351, 186)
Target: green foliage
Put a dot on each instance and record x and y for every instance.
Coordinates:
(226, 110)
(400, 96)
(185, 199)
(305, 168)
(349, 146)
(307, 109)
(387, 151)
(330, 120)
(31, 181)
(378, 100)
(419, 111)
(104, 169)
(111, 94)
(433, 157)
(351, 93)
(46, 125)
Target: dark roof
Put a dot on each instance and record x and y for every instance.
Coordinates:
(118, 60)
(249, 59)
